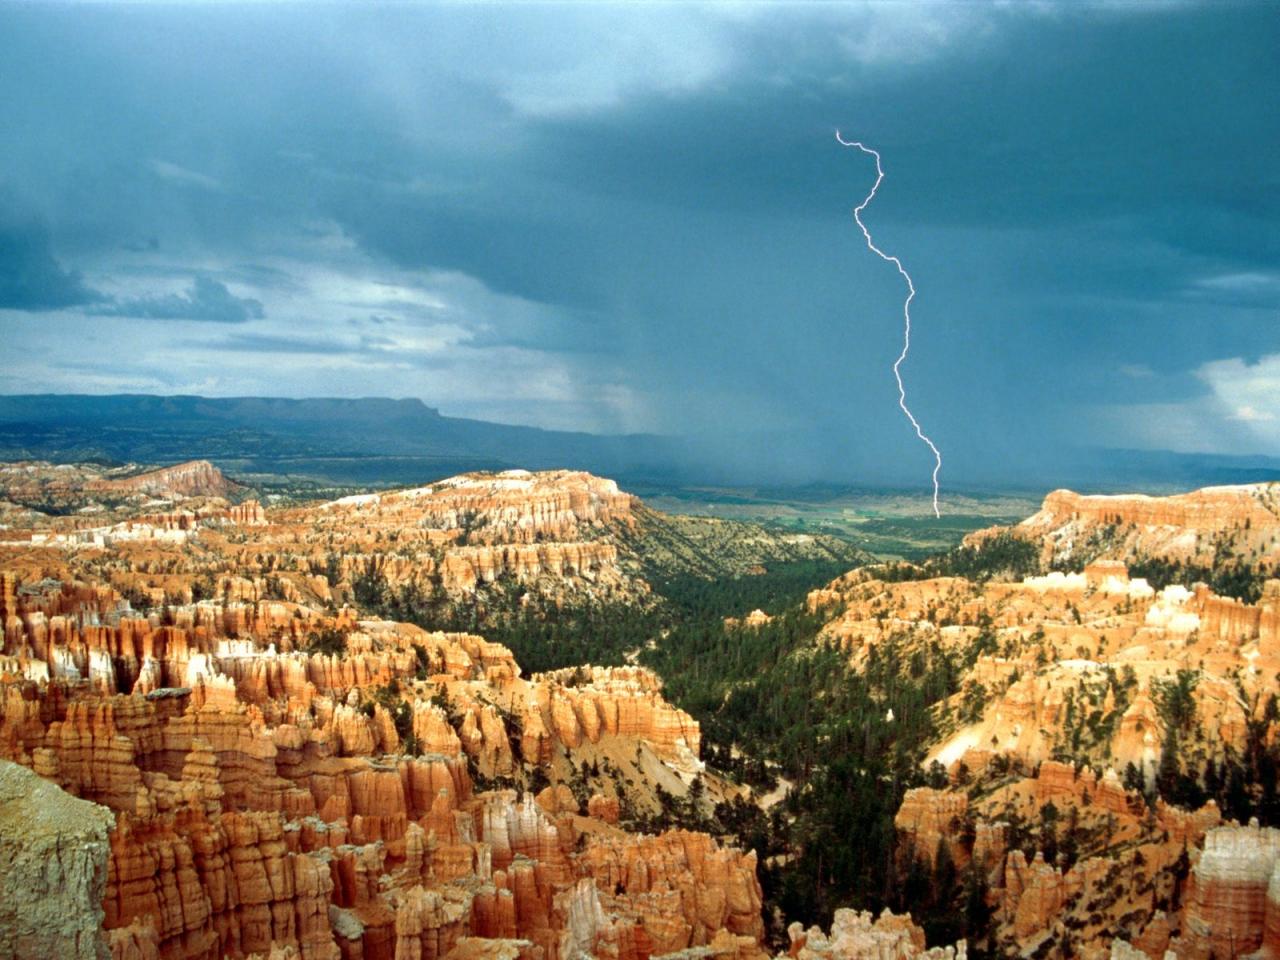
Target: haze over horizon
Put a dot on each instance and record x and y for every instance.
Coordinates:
(624, 219)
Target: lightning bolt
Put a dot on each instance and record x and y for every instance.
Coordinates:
(906, 311)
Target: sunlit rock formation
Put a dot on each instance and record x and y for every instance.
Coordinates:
(1215, 525)
(856, 935)
(195, 478)
(271, 799)
(1084, 692)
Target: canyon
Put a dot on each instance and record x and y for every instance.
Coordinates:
(219, 749)
(283, 776)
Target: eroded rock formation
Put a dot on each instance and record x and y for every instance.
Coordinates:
(195, 478)
(1206, 527)
(289, 777)
(268, 799)
(53, 869)
(857, 935)
(1083, 694)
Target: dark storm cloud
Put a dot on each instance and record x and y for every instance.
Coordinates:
(208, 301)
(1056, 121)
(1058, 125)
(30, 276)
(657, 193)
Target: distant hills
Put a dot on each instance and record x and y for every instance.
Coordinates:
(343, 440)
(380, 440)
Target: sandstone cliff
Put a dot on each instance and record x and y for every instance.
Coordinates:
(1214, 526)
(195, 478)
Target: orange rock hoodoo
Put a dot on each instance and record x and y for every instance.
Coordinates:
(1062, 722)
(273, 800)
(263, 801)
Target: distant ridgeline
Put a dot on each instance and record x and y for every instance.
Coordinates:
(347, 440)
(379, 440)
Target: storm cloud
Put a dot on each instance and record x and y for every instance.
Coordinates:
(208, 301)
(31, 278)
(636, 218)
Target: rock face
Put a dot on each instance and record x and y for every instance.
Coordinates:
(53, 869)
(1200, 527)
(1201, 511)
(514, 506)
(856, 935)
(285, 776)
(496, 543)
(554, 533)
(561, 535)
(195, 478)
(73, 506)
(1233, 907)
(1062, 646)
(464, 568)
(929, 817)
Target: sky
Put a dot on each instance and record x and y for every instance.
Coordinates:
(636, 218)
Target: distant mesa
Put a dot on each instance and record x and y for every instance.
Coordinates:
(372, 440)
(194, 478)
(360, 440)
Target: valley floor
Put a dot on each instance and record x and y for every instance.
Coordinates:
(891, 525)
